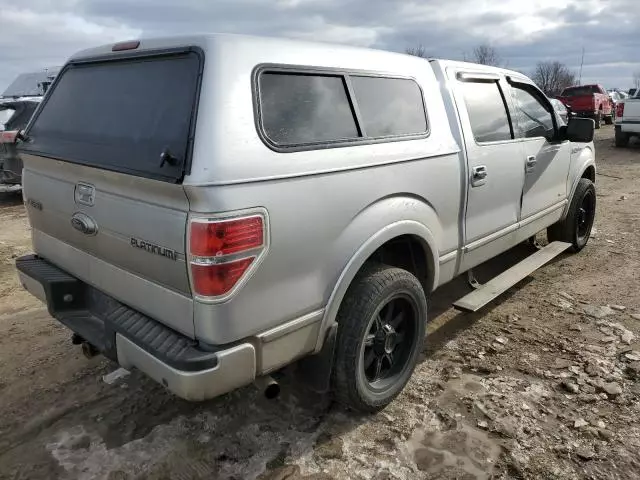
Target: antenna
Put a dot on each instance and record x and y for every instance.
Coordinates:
(581, 64)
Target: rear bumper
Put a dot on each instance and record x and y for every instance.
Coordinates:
(135, 340)
(629, 127)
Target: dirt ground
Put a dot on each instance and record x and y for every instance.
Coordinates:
(544, 383)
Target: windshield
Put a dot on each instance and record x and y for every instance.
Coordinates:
(578, 91)
(5, 114)
(30, 84)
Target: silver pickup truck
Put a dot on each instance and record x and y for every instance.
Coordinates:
(210, 209)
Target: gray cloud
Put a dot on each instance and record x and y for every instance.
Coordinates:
(38, 33)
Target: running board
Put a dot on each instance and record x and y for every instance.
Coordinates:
(477, 299)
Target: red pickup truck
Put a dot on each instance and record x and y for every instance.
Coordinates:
(591, 101)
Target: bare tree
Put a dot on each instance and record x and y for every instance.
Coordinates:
(485, 54)
(553, 77)
(636, 80)
(417, 51)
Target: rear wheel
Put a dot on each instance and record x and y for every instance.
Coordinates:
(598, 119)
(608, 120)
(381, 327)
(576, 226)
(622, 138)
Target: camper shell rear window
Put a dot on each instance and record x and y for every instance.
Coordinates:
(129, 113)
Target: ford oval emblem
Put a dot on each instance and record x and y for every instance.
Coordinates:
(84, 223)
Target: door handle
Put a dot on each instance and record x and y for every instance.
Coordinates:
(478, 175)
(530, 164)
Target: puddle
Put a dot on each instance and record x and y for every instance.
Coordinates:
(465, 452)
(462, 452)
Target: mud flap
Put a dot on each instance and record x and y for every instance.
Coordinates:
(314, 371)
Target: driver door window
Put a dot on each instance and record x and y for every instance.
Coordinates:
(534, 120)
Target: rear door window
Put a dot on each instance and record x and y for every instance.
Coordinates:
(121, 115)
(487, 111)
(580, 91)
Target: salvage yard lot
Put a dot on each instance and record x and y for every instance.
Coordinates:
(543, 383)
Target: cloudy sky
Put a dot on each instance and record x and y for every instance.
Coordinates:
(39, 33)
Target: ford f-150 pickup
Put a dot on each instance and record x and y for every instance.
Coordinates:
(276, 201)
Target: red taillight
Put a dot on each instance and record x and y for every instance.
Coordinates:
(9, 137)
(212, 239)
(216, 280)
(620, 110)
(131, 45)
(223, 251)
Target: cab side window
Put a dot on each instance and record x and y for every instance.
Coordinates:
(534, 120)
(487, 111)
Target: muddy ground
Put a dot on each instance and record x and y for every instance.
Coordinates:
(544, 383)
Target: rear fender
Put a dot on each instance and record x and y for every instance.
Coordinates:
(373, 227)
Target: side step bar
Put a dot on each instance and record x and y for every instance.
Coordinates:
(477, 299)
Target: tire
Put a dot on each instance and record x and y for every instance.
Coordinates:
(373, 363)
(576, 226)
(598, 120)
(622, 138)
(608, 120)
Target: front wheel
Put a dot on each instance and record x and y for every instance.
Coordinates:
(381, 327)
(576, 226)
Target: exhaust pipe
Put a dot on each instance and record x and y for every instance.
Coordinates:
(89, 350)
(269, 386)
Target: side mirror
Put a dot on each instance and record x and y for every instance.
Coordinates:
(580, 130)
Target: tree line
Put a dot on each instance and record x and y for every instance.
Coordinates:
(551, 76)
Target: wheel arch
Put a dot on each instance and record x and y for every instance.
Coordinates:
(414, 229)
(584, 166)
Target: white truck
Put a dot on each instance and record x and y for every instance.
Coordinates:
(627, 120)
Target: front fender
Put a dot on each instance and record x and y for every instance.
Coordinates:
(373, 227)
(580, 162)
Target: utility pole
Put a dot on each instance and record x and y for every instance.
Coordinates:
(581, 64)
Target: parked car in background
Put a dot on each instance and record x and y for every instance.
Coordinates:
(589, 101)
(615, 97)
(627, 120)
(275, 200)
(561, 110)
(17, 104)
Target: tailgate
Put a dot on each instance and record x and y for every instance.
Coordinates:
(104, 203)
(631, 110)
